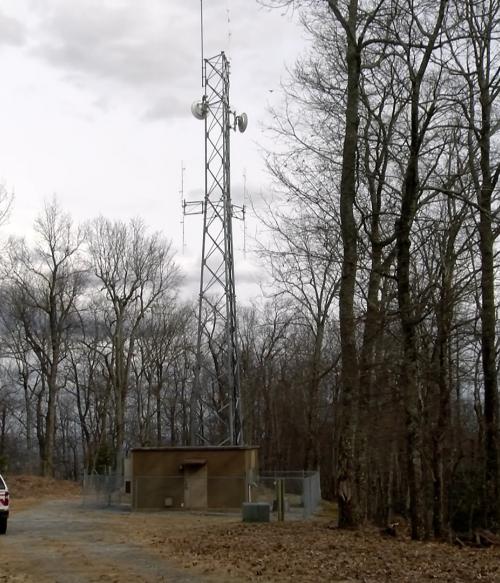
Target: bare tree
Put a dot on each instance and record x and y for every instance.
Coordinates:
(304, 263)
(476, 56)
(161, 342)
(411, 26)
(90, 387)
(134, 270)
(22, 372)
(43, 287)
(6, 201)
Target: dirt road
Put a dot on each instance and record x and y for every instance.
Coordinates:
(59, 541)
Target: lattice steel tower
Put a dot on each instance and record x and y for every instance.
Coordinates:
(216, 398)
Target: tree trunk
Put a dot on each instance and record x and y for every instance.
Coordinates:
(444, 317)
(348, 515)
(121, 387)
(311, 456)
(3, 430)
(491, 500)
(409, 378)
(50, 428)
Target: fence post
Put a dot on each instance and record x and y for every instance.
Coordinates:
(306, 497)
(280, 499)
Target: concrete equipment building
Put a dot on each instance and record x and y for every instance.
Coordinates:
(192, 477)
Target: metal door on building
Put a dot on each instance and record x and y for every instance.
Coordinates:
(195, 485)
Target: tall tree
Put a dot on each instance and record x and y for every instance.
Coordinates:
(417, 36)
(135, 270)
(351, 20)
(304, 263)
(43, 287)
(476, 55)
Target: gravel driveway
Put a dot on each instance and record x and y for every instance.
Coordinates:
(59, 541)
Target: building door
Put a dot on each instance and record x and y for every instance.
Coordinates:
(195, 486)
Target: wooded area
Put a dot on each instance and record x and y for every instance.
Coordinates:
(374, 355)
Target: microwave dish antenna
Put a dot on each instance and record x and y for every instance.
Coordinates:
(199, 109)
(242, 122)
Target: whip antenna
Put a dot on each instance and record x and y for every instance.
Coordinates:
(201, 38)
(229, 34)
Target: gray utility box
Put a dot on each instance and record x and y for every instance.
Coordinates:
(256, 512)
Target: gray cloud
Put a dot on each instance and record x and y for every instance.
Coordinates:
(124, 50)
(144, 43)
(127, 43)
(166, 107)
(11, 30)
(151, 50)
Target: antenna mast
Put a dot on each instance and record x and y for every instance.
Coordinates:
(201, 35)
(217, 374)
(183, 205)
(243, 212)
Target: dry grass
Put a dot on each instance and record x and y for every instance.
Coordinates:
(26, 491)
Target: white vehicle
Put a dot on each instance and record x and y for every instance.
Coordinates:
(4, 506)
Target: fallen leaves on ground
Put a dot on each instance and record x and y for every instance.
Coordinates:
(313, 551)
(224, 549)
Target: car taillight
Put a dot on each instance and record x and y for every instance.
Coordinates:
(5, 499)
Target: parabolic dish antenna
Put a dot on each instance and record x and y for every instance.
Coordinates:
(242, 122)
(199, 109)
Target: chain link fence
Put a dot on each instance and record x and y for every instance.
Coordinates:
(215, 493)
(103, 490)
(302, 492)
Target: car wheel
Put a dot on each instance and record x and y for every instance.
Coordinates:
(3, 525)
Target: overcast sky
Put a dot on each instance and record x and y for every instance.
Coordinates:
(95, 104)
